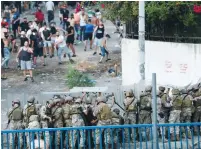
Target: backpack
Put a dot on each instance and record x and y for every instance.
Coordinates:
(31, 110)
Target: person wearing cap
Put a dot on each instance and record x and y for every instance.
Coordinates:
(57, 119)
(104, 115)
(145, 106)
(15, 115)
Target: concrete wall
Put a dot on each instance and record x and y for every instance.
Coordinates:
(176, 64)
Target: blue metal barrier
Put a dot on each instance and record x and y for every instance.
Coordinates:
(170, 136)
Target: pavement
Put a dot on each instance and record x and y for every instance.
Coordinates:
(52, 78)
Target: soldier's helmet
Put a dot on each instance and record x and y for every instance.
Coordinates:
(184, 91)
(57, 101)
(148, 88)
(117, 111)
(161, 88)
(62, 100)
(51, 102)
(88, 100)
(101, 99)
(31, 99)
(56, 97)
(129, 93)
(175, 92)
(16, 101)
(68, 98)
(78, 100)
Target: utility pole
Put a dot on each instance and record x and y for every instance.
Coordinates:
(141, 37)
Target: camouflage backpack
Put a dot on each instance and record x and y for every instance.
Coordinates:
(31, 110)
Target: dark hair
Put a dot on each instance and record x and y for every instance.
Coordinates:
(89, 20)
(34, 30)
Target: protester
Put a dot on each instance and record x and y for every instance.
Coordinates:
(6, 51)
(70, 39)
(37, 46)
(104, 49)
(60, 45)
(99, 34)
(47, 41)
(7, 14)
(39, 15)
(25, 56)
(83, 20)
(50, 10)
(77, 23)
(94, 20)
(65, 15)
(53, 36)
(15, 21)
(24, 26)
(88, 35)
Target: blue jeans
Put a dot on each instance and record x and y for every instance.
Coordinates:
(103, 51)
(82, 31)
(60, 50)
(6, 57)
(76, 26)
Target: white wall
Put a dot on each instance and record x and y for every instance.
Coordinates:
(175, 64)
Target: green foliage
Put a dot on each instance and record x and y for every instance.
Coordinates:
(76, 78)
(180, 12)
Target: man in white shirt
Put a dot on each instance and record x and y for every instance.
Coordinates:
(50, 10)
(60, 45)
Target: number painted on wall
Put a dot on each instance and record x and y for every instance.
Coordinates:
(168, 66)
(183, 68)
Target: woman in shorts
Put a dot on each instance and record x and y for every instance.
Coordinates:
(99, 34)
(70, 39)
(25, 57)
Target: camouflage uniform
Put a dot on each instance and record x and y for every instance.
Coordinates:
(67, 119)
(45, 115)
(77, 120)
(186, 111)
(33, 124)
(15, 115)
(145, 111)
(130, 103)
(104, 115)
(175, 112)
(57, 119)
(197, 104)
(117, 133)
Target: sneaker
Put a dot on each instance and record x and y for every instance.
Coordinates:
(94, 53)
(60, 63)
(45, 56)
(108, 59)
(85, 49)
(51, 56)
(73, 55)
(25, 79)
(100, 54)
(44, 64)
(65, 55)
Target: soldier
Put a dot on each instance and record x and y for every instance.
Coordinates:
(33, 124)
(104, 115)
(175, 112)
(165, 106)
(15, 115)
(197, 105)
(45, 114)
(186, 111)
(117, 119)
(130, 103)
(77, 120)
(67, 118)
(38, 106)
(57, 119)
(145, 111)
(30, 109)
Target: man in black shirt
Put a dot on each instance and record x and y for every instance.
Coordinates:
(47, 41)
(24, 26)
(65, 14)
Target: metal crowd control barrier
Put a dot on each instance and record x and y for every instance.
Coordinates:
(107, 137)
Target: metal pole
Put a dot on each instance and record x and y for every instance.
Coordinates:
(154, 114)
(141, 37)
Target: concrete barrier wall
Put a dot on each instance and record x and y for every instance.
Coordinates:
(176, 64)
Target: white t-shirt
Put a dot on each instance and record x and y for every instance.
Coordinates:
(29, 32)
(49, 6)
(40, 32)
(59, 39)
(82, 20)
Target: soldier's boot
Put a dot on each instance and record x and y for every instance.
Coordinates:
(172, 137)
(177, 137)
